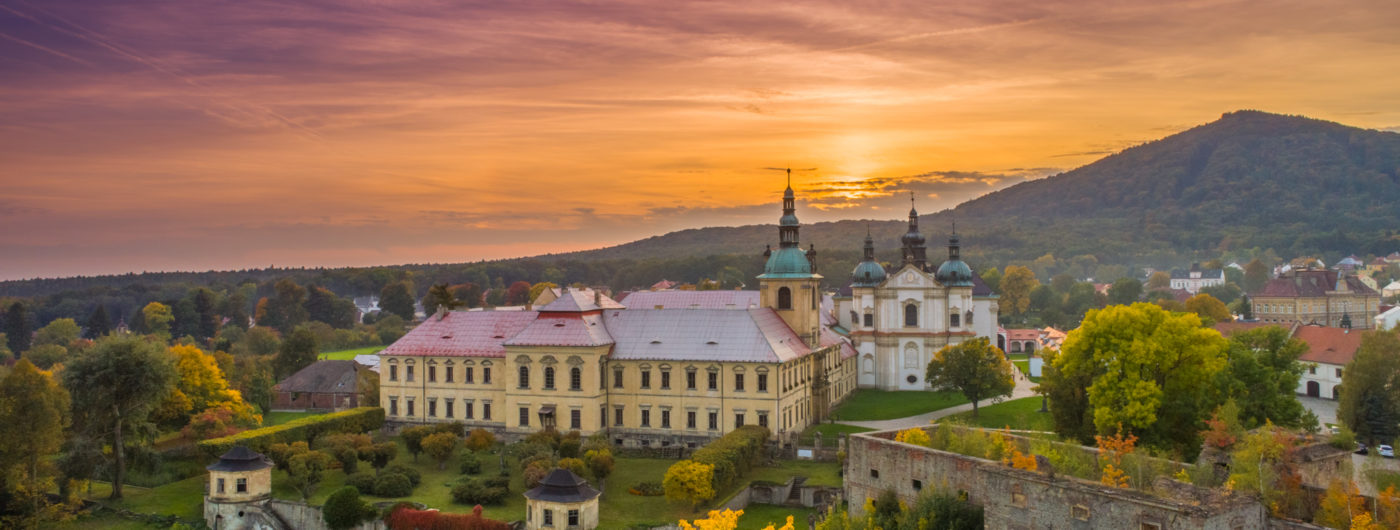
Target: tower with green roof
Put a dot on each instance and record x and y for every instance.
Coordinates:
(789, 283)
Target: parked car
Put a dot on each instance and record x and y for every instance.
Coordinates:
(1360, 449)
(1386, 451)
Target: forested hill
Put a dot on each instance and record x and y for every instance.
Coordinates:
(1248, 180)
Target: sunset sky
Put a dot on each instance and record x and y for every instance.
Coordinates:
(191, 135)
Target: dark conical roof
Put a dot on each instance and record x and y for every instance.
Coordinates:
(240, 458)
(562, 485)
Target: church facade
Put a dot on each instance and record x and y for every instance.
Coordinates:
(899, 317)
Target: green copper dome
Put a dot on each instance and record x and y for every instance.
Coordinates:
(788, 220)
(787, 262)
(867, 274)
(954, 273)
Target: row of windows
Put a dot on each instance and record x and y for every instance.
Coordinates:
(468, 408)
(468, 372)
(911, 318)
(548, 518)
(576, 379)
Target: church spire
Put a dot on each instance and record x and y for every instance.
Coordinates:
(914, 251)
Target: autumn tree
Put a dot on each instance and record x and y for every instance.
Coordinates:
(518, 293)
(975, 368)
(913, 435)
(158, 318)
(1016, 285)
(348, 449)
(1341, 503)
(1256, 274)
(600, 463)
(479, 439)
(690, 482)
(297, 352)
(397, 299)
(200, 385)
(1147, 369)
(114, 387)
(441, 446)
(1209, 309)
(1159, 280)
(33, 414)
(1368, 401)
(413, 438)
(1261, 375)
(538, 288)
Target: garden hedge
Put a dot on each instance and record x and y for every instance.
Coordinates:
(305, 429)
(733, 454)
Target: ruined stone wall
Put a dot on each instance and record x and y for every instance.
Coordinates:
(1017, 499)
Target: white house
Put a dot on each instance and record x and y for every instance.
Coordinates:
(1192, 281)
(1329, 351)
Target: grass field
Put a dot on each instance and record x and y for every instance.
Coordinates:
(349, 355)
(622, 509)
(828, 432)
(868, 404)
(758, 516)
(1021, 414)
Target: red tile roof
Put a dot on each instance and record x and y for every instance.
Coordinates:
(1310, 284)
(755, 335)
(563, 330)
(462, 334)
(1328, 345)
(576, 300)
(1230, 328)
(1022, 334)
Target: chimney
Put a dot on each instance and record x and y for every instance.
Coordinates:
(597, 298)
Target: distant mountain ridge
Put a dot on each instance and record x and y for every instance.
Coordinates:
(1250, 179)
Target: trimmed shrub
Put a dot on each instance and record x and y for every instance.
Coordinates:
(393, 485)
(479, 491)
(399, 469)
(362, 481)
(733, 454)
(305, 429)
(471, 464)
(480, 440)
(344, 509)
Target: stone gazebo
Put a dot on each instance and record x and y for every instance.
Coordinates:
(238, 483)
(562, 501)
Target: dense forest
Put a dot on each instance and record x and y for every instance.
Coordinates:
(1251, 184)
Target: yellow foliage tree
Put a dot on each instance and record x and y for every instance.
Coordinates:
(689, 481)
(1210, 309)
(1111, 451)
(716, 520)
(1016, 285)
(1340, 505)
(201, 386)
(914, 435)
(158, 317)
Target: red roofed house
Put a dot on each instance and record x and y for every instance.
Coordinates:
(670, 367)
(1312, 296)
(1329, 351)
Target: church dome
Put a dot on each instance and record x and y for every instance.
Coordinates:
(954, 273)
(867, 274)
(788, 220)
(787, 260)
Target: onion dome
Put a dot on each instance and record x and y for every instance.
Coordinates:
(787, 261)
(868, 273)
(954, 273)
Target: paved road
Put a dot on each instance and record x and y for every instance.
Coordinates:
(1325, 409)
(1022, 390)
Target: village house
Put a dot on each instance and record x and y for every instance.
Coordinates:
(1316, 296)
(1193, 280)
(324, 385)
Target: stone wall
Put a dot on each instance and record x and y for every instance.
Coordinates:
(1016, 498)
(270, 514)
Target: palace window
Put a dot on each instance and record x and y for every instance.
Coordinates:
(575, 378)
(410, 406)
(467, 410)
(524, 416)
(784, 298)
(393, 373)
(432, 374)
(240, 485)
(449, 374)
(763, 419)
(524, 377)
(762, 382)
(485, 375)
(393, 406)
(549, 517)
(714, 420)
(646, 417)
(646, 378)
(953, 320)
(549, 378)
(665, 418)
(911, 315)
(617, 416)
(467, 377)
(617, 378)
(448, 402)
(690, 379)
(486, 411)
(665, 379)
(714, 380)
(432, 407)
(869, 320)
(738, 420)
(576, 419)
(738, 382)
(690, 419)
(408, 373)
(573, 518)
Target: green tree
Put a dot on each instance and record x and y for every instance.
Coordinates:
(297, 352)
(305, 471)
(287, 309)
(1209, 309)
(413, 438)
(1256, 274)
(975, 368)
(1261, 374)
(60, 332)
(1159, 280)
(397, 299)
(348, 448)
(600, 463)
(992, 278)
(1125, 291)
(98, 324)
(114, 388)
(1147, 369)
(1016, 285)
(205, 304)
(46, 355)
(1245, 308)
(17, 328)
(1367, 402)
(322, 305)
(1226, 292)
(33, 414)
(440, 446)
(344, 509)
(440, 296)
(158, 318)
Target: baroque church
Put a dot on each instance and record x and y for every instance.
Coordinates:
(899, 317)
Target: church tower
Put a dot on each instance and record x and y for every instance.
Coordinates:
(789, 284)
(914, 251)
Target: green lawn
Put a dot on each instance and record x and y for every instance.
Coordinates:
(1382, 478)
(349, 355)
(828, 432)
(759, 516)
(867, 404)
(1021, 414)
(1024, 365)
(280, 417)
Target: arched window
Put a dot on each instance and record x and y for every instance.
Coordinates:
(911, 315)
(784, 298)
(549, 377)
(954, 321)
(524, 377)
(575, 378)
